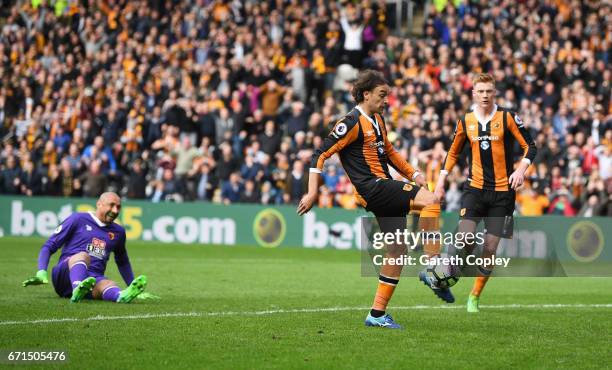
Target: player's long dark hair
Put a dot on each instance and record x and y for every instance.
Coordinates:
(367, 80)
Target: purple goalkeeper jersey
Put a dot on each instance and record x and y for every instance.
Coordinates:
(84, 232)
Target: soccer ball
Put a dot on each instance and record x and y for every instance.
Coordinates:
(442, 276)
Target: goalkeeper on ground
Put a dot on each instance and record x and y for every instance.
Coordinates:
(87, 240)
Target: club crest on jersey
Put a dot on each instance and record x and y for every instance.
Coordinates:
(407, 187)
(111, 236)
(58, 229)
(484, 145)
(462, 212)
(496, 125)
(97, 248)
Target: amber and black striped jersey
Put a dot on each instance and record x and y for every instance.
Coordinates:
(364, 150)
(491, 141)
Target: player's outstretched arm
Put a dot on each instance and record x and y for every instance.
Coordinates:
(344, 133)
(309, 198)
(403, 167)
(51, 246)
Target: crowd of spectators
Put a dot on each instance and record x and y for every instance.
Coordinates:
(225, 101)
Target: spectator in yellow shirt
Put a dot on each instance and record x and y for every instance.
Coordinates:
(531, 203)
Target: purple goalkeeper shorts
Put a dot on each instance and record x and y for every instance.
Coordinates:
(60, 276)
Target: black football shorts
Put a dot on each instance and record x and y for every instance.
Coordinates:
(496, 207)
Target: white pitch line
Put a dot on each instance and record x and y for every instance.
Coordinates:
(290, 311)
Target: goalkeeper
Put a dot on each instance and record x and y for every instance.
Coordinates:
(87, 240)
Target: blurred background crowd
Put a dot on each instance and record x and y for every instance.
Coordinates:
(224, 101)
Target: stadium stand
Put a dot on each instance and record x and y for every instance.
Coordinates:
(224, 101)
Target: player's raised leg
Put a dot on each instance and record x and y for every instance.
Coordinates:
(429, 223)
(82, 284)
(429, 220)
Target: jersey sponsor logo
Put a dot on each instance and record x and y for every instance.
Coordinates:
(485, 138)
(58, 229)
(472, 127)
(97, 248)
(484, 145)
(377, 144)
(519, 121)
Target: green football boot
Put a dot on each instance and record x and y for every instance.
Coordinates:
(82, 289)
(137, 286)
(472, 303)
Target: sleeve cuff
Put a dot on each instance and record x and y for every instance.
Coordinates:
(414, 176)
(526, 160)
(314, 170)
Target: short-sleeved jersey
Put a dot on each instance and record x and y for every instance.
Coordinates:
(83, 232)
(365, 152)
(491, 156)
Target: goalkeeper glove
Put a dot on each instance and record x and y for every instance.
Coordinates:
(40, 278)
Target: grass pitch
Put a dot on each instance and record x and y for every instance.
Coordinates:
(247, 307)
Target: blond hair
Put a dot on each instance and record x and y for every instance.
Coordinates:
(482, 78)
